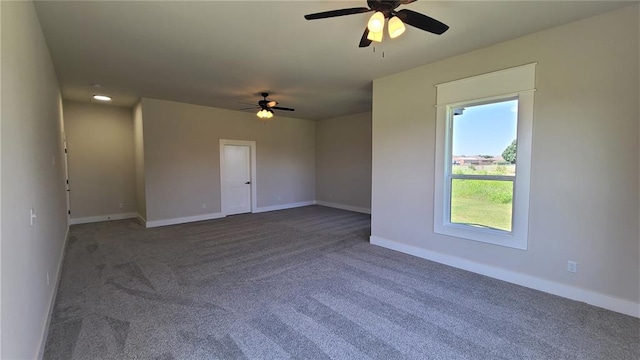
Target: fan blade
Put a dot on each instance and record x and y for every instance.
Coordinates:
(364, 42)
(405, 2)
(282, 108)
(334, 13)
(422, 22)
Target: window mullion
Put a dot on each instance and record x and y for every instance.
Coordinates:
(482, 177)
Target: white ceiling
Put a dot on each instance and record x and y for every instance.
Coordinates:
(221, 53)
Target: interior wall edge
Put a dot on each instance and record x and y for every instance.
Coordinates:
(344, 207)
(52, 301)
(284, 206)
(211, 216)
(183, 220)
(101, 218)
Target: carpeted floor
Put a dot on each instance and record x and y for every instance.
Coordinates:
(304, 284)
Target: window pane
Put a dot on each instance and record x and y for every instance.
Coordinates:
(484, 139)
(482, 203)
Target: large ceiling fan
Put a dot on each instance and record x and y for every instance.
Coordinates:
(267, 106)
(386, 9)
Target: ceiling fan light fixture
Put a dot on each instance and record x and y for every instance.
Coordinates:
(375, 36)
(267, 108)
(396, 27)
(383, 9)
(264, 114)
(376, 22)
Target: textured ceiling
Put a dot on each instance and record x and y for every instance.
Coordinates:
(222, 53)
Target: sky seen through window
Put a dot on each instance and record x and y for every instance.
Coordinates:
(485, 129)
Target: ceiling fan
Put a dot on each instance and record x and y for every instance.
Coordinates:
(386, 9)
(267, 106)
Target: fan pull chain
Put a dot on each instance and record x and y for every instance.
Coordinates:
(374, 50)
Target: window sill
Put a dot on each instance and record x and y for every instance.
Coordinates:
(490, 236)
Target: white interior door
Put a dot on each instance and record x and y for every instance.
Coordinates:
(237, 179)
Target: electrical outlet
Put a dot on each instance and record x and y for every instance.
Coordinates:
(33, 217)
(572, 266)
(121, 205)
(204, 206)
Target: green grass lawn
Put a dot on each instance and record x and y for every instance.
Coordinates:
(481, 212)
(482, 202)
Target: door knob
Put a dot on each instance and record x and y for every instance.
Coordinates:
(248, 182)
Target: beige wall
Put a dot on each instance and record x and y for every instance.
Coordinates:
(101, 159)
(181, 155)
(343, 160)
(32, 178)
(584, 184)
(138, 143)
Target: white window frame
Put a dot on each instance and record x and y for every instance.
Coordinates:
(514, 83)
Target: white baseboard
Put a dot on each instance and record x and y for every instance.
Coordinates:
(284, 206)
(212, 216)
(551, 287)
(52, 302)
(142, 220)
(344, 207)
(93, 219)
(182, 220)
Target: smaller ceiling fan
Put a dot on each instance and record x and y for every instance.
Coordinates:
(267, 106)
(386, 9)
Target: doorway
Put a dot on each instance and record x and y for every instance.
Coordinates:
(237, 176)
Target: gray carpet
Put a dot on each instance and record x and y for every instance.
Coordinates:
(304, 284)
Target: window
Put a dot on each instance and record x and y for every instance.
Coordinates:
(482, 172)
(483, 153)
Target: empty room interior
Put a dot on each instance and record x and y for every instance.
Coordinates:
(264, 180)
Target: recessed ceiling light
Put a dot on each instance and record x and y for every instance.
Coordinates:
(102, 97)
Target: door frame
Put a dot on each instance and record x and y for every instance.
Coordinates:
(67, 187)
(252, 150)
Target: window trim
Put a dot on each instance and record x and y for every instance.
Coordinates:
(513, 83)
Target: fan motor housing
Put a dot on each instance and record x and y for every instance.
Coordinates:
(383, 6)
